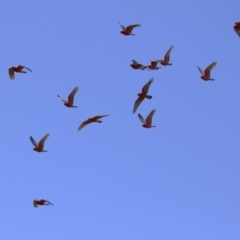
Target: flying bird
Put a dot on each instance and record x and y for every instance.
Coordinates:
(18, 69)
(153, 65)
(137, 65)
(207, 72)
(69, 103)
(39, 147)
(128, 30)
(147, 123)
(142, 95)
(166, 60)
(41, 203)
(91, 120)
(237, 28)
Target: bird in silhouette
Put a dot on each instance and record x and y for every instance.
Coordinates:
(143, 95)
(153, 65)
(237, 28)
(39, 147)
(127, 31)
(69, 103)
(207, 72)
(91, 120)
(18, 69)
(147, 123)
(166, 60)
(41, 202)
(137, 65)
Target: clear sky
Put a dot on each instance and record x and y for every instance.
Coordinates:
(117, 180)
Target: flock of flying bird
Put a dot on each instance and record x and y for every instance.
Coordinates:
(147, 123)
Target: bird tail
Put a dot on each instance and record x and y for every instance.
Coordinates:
(99, 121)
(149, 97)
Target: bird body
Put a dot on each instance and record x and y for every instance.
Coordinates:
(137, 65)
(18, 69)
(41, 202)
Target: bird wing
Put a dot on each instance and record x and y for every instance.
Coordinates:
(123, 28)
(130, 27)
(167, 55)
(136, 104)
(11, 73)
(42, 141)
(33, 141)
(149, 117)
(47, 201)
(200, 70)
(134, 61)
(146, 86)
(28, 69)
(141, 118)
(100, 116)
(83, 124)
(72, 94)
(209, 68)
(61, 98)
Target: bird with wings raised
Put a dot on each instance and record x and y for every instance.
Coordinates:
(166, 60)
(18, 69)
(143, 95)
(39, 147)
(91, 120)
(137, 65)
(147, 123)
(206, 74)
(153, 65)
(127, 31)
(69, 102)
(41, 202)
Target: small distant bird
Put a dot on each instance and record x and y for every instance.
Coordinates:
(142, 95)
(18, 69)
(166, 60)
(237, 28)
(41, 203)
(69, 103)
(207, 72)
(91, 120)
(137, 65)
(147, 123)
(39, 147)
(153, 65)
(128, 30)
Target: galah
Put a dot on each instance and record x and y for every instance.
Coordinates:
(41, 202)
(206, 75)
(39, 147)
(147, 123)
(18, 69)
(237, 28)
(153, 65)
(137, 65)
(91, 120)
(142, 95)
(69, 103)
(128, 30)
(166, 60)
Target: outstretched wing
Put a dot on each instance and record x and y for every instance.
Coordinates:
(100, 116)
(83, 124)
(47, 201)
(136, 104)
(123, 28)
(134, 61)
(61, 98)
(11, 73)
(141, 118)
(28, 69)
(167, 55)
(130, 27)
(41, 143)
(72, 94)
(33, 141)
(200, 70)
(146, 86)
(209, 68)
(149, 117)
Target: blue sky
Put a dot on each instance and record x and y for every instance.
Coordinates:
(117, 180)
